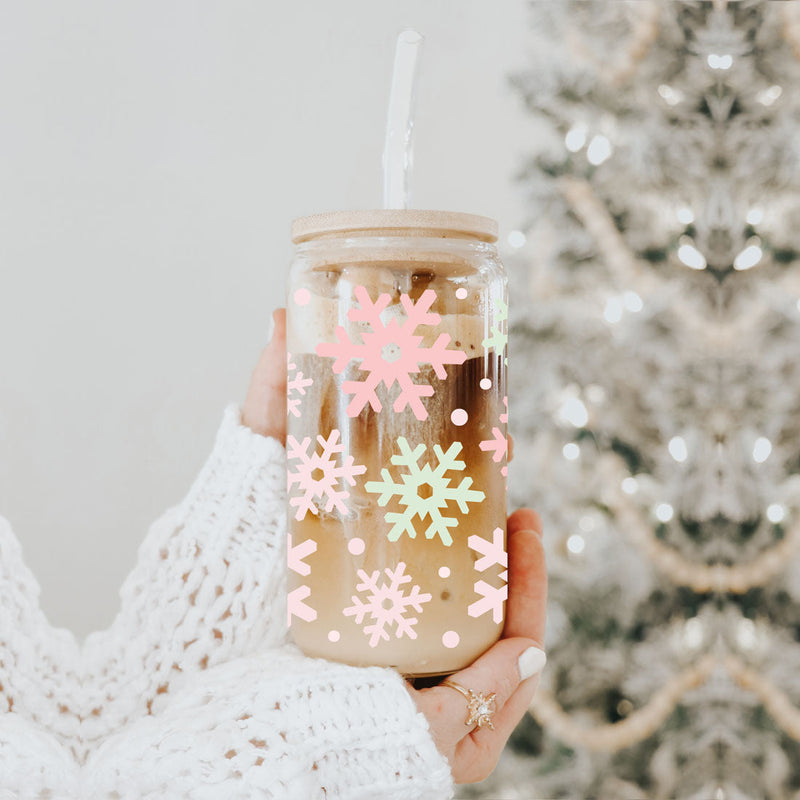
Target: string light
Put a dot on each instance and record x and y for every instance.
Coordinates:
(632, 301)
(716, 61)
(576, 544)
(750, 256)
(576, 137)
(613, 310)
(761, 449)
(599, 149)
(670, 96)
(664, 512)
(746, 634)
(677, 448)
(595, 393)
(586, 523)
(776, 513)
(685, 215)
(571, 451)
(693, 634)
(755, 216)
(517, 239)
(574, 411)
(768, 96)
(691, 256)
(630, 485)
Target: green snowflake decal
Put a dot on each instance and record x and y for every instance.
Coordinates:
(424, 491)
(498, 338)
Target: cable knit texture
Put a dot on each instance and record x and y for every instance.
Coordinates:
(194, 690)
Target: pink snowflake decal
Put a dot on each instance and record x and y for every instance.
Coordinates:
(493, 552)
(492, 599)
(318, 477)
(499, 441)
(390, 353)
(295, 384)
(386, 604)
(295, 607)
(296, 554)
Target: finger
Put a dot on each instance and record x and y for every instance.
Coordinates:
(264, 408)
(527, 582)
(525, 519)
(495, 672)
(477, 753)
(510, 448)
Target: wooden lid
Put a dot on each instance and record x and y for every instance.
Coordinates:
(395, 222)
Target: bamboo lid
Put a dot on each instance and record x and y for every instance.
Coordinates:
(395, 222)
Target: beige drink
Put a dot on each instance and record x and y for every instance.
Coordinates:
(396, 460)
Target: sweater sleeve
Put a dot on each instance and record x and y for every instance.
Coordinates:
(278, 725)
(208, 585)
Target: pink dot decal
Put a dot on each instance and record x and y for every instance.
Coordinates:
(444, 572)
(302, 297)
(451, 639)
(486, 383)
(459, 416)
(461, 293)
(356, 546)
(333, 636)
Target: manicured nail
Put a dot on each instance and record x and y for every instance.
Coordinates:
(531, 661)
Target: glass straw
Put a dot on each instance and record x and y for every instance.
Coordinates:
(397, 151)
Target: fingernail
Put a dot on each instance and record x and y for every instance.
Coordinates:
(530, 662)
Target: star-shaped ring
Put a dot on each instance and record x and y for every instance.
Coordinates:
(480, 706)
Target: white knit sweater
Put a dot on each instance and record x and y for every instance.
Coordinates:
(193, 691)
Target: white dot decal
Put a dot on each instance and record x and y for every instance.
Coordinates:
(302, 297)
(451, 639)
(461, 293)
(486, 383)
(356, 546)
(333, 636)
(459, 416)
(444, 572)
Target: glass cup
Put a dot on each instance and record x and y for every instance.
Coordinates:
(396, 445)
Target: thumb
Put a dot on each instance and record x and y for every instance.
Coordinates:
(264, 408)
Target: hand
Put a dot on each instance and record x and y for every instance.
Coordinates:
(264, 408)
(473, 752)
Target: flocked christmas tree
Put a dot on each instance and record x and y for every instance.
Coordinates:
(655, 399)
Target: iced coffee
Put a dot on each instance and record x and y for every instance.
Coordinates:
(396, 447)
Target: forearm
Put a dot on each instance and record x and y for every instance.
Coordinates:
(279, 725)
(208, 585)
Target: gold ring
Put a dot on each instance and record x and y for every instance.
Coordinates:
(479, 705)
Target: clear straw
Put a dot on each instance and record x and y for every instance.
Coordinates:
(397, 151)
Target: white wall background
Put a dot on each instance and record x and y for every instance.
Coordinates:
(152, 157)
